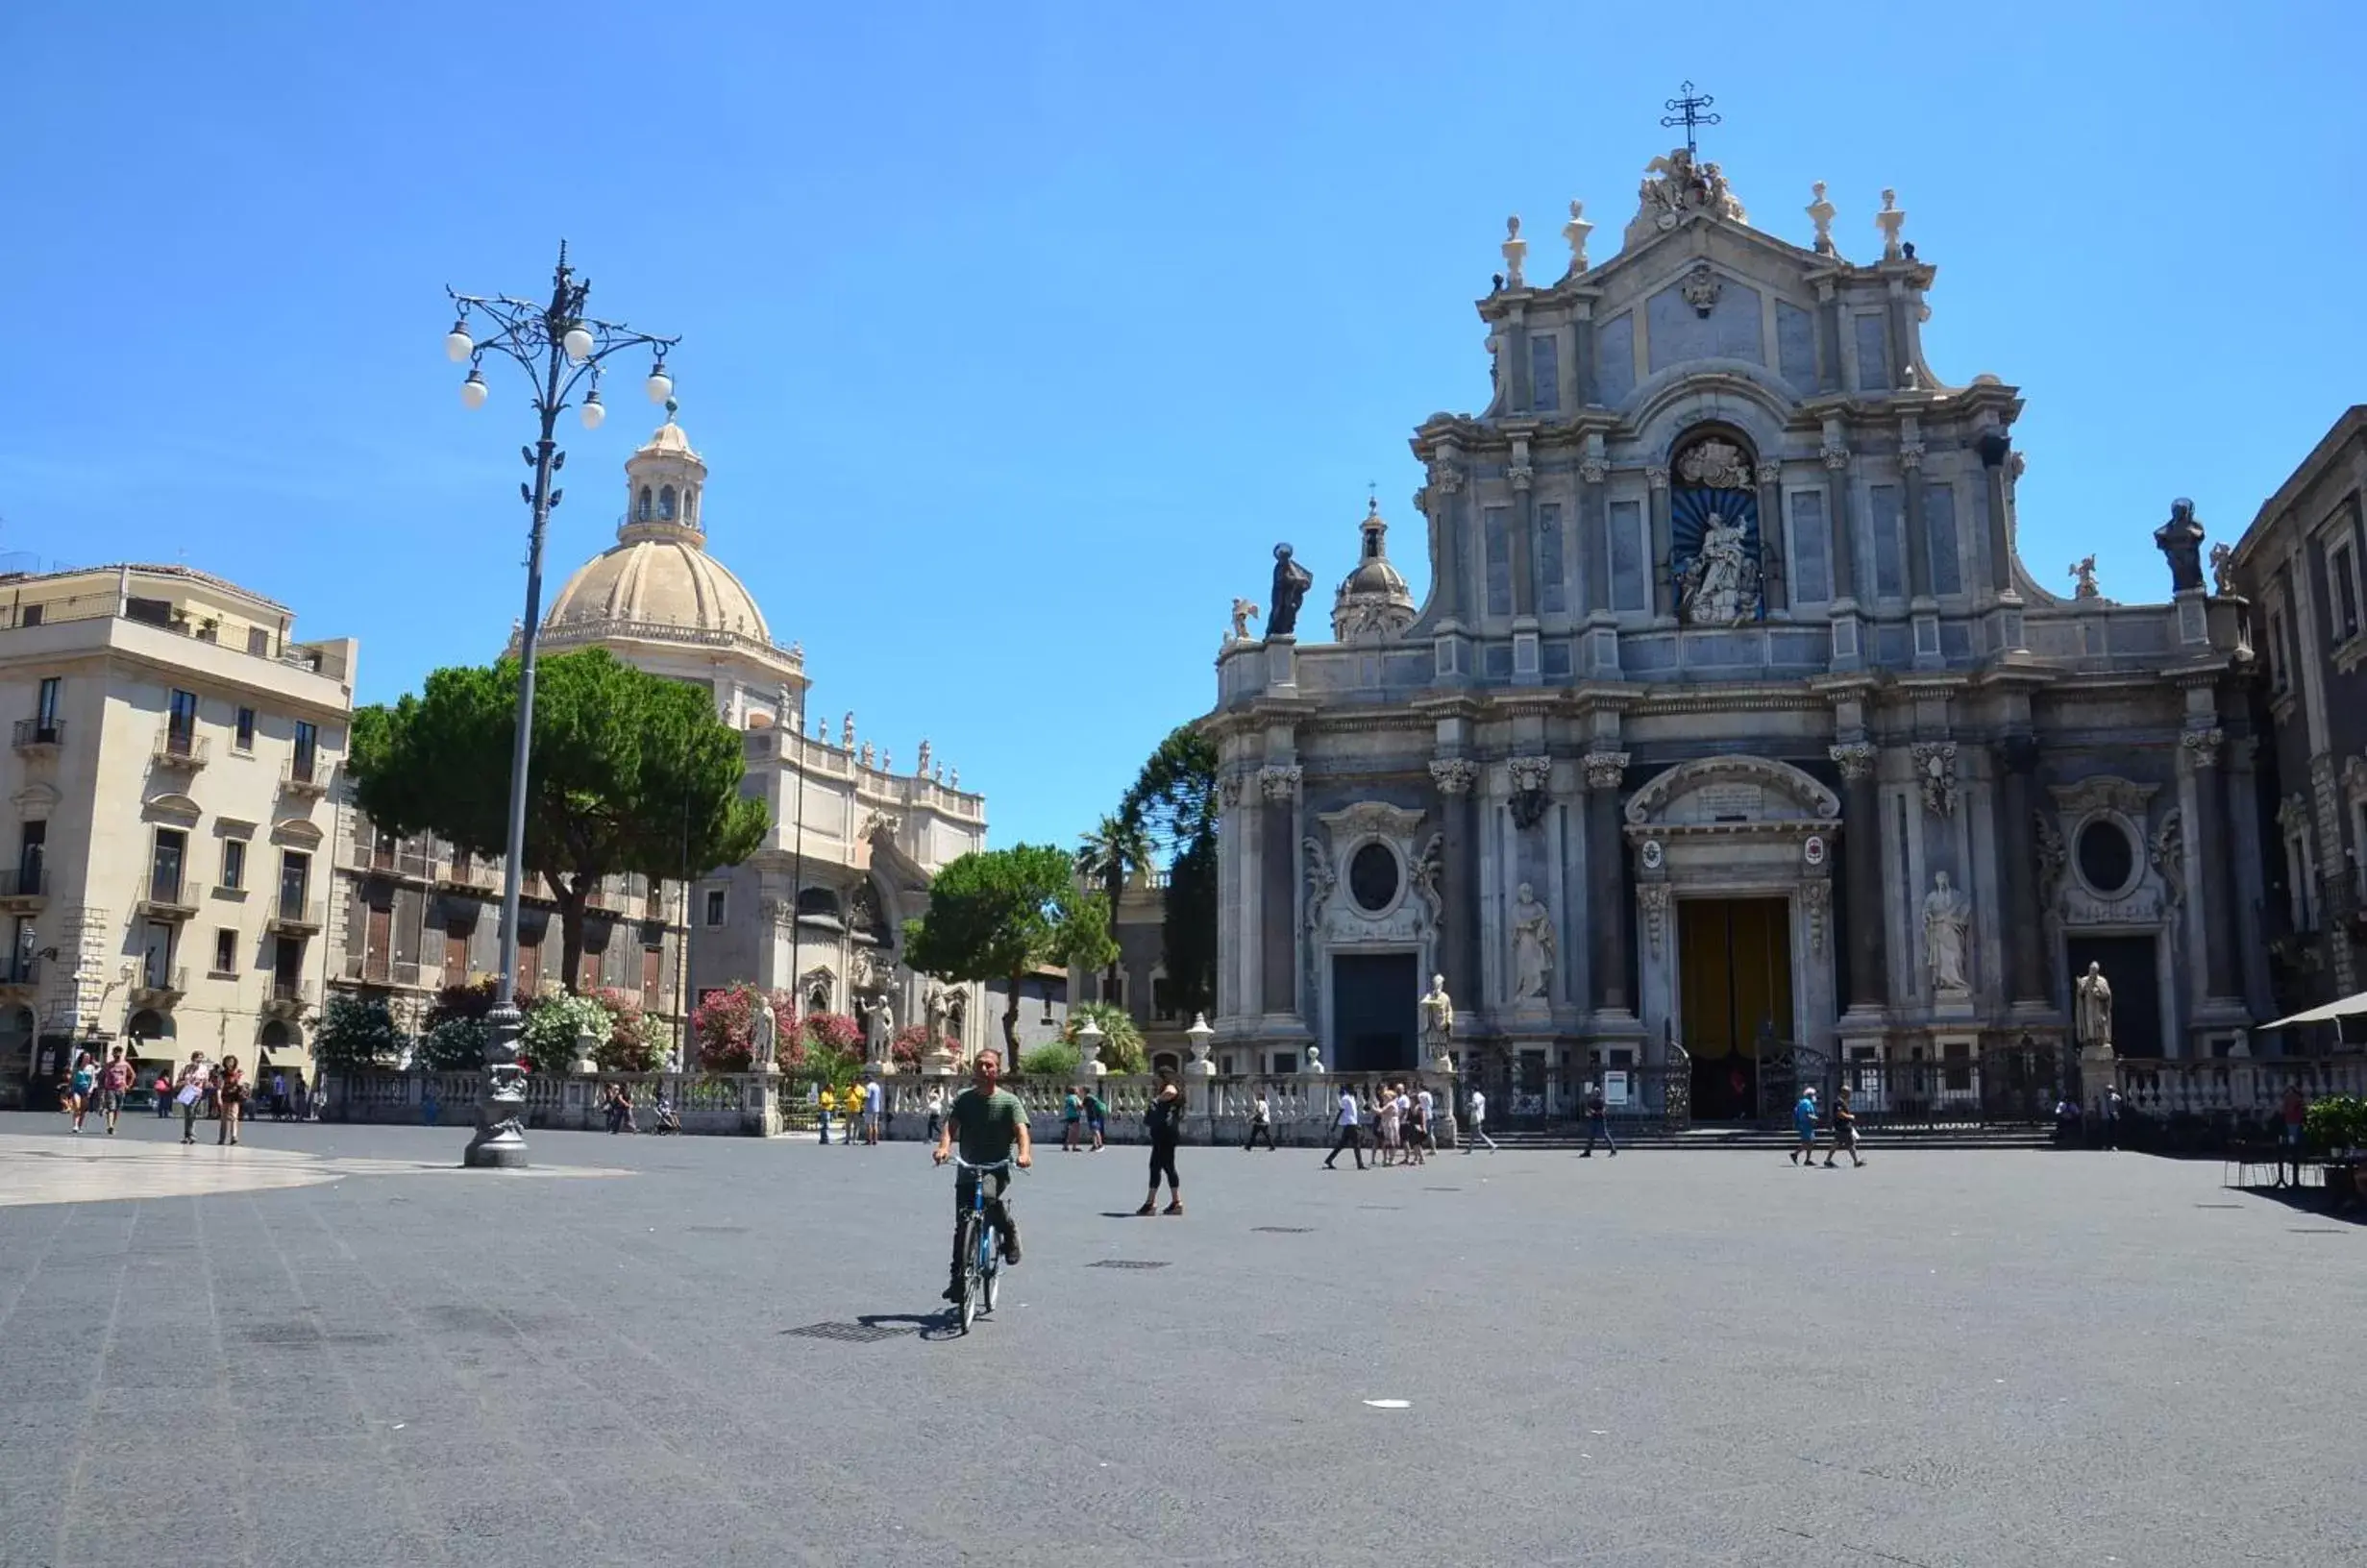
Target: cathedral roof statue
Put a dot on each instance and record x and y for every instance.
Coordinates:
(1674, 188)
(1374, 604)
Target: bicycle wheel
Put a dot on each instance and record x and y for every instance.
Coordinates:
(970, 1288)
(991, 1268)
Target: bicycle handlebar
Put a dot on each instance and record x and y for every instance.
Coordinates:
(961, 1164)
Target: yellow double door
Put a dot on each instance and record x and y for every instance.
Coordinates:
(1733, 979)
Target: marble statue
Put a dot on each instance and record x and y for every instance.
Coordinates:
(934, 1007)
(2092, 1008)
(1243, 612)
(1292, 581)
(1438, 1017)
(1719, 590)
(923, 770)
(2083, 579)
(846, 731)
(1947, 922)
(879, 1028)
(2223, 569)
(2181, 543)
(763, 1035)
(1533, 946)
(869, 754)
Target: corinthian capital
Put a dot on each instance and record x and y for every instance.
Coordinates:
(1593, 470)
(1453, 776)
(1519, 476)
(1605, 769)
(1911, 455)
(1855, 759)
(1657, 476)
(1279, 783)
(1446, 478)
(2203, 745)
(1835, 458)
(1769, 473)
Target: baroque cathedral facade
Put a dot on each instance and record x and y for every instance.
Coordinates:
(1732, 723)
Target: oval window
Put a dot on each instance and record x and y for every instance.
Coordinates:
(2107, 859)
(1372, 877)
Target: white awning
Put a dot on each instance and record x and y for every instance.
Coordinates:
(2349, 1007)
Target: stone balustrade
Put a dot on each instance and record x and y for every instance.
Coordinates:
(2240, 1085)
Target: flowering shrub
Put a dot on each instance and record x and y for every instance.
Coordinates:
(724, 1026)
(910, 1045)
(635, 1043)
(554, 1023)
(355, 1032)
(834, 1032)
(456, 1044)
(471, 1000)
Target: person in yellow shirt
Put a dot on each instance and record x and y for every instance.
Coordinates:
(828, 1102)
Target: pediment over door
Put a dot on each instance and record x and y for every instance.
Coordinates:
(1734, 794)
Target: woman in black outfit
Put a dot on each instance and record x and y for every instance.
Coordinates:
(1163, 1121)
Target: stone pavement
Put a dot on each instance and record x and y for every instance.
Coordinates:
(1948, 1357)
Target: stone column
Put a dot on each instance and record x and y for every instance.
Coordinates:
(1773, 563)
(1582, 354)
(1445, 541)
(2214, 843)
(1918, 537)
(1607, 881)
(1664, 589)
(1278, 889)
(1459, 943)
(1232, 901)
(1520, 474)
(2026, 964)
(1595, 535)
(1844, 524)
(1861, 817)
(1995, 449)
(1828, 338)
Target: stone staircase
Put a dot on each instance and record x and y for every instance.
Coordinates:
(1747, 1135)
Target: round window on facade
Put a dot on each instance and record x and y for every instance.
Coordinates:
(1372, 877)
(2107, 858)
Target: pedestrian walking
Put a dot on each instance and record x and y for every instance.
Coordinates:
(2112, 1118)
(1097, 1115)
(164, 1093)
(1479, 1122)
(279, 1095)
(231, 1090)
(115, 1081)
(82, 1087)
(1598, 1123)
(1804, 1123)
(1344, 1135)
(2293, 1113)
(189, 1094)
(1386, 1124)
(936, 1111)
(873, 1096)
(1261, 1124)
(1844, 1130)
(1425, 1109)
(1071, 1121)
(430, 1103)
(1163, 1120)
(1415, 1125)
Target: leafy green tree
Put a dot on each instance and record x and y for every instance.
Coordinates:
(1002, 913)
(1107, 858)
(1121, 1040)
(357, 1032)
(1174, 801)
(631, 772)
(1053, 1058)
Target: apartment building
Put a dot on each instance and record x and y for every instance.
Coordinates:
(172, 748)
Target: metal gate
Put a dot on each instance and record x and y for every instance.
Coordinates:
(1785, 1067)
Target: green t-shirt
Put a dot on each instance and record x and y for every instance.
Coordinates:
(986, 1126)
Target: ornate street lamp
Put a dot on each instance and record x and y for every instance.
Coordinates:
(559, 347)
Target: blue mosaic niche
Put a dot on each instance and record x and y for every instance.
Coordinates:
(1689, 511)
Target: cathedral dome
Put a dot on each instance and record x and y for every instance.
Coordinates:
(1374, 602)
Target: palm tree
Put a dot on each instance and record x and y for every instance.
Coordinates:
(1108, 857)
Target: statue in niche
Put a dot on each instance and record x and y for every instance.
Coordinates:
(1947, 924)
(2181, 542)
(2092, 1008)
(1292, 581)
(1438, 1017)
(1719, 586)
(1533, 946)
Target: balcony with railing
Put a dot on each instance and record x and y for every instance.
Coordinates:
(305, 777)
(24, 889)
(287, 998)
(182, 748)
(295, 916)
(38, 737)
(380, 970)
(163, 897)
(159, 986)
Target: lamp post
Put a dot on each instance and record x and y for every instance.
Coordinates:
(558, 347)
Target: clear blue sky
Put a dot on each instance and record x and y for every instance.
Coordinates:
(1017, 335)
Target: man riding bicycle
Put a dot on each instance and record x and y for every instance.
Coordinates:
(990, 1124)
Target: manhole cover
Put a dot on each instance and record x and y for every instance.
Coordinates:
(1284, 1229)
(1124, 1263)
(852, 1334)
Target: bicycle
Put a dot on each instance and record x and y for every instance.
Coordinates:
(981, 1244)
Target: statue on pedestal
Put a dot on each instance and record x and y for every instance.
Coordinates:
(879, 1029)
(2092, 1008)
(1438, 1019)
(763, 1035)
(1947, 920)
(1533, 946)
(1292, 581)
(2181, 543)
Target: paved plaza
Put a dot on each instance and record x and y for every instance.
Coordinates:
(322, 1348)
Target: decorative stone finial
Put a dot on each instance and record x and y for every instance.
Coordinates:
(1890, 220)
(1516, 251)
(1820, 213)
(1575, 232)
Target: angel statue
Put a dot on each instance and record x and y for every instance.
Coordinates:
(1244, 611)
(1321, 880)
